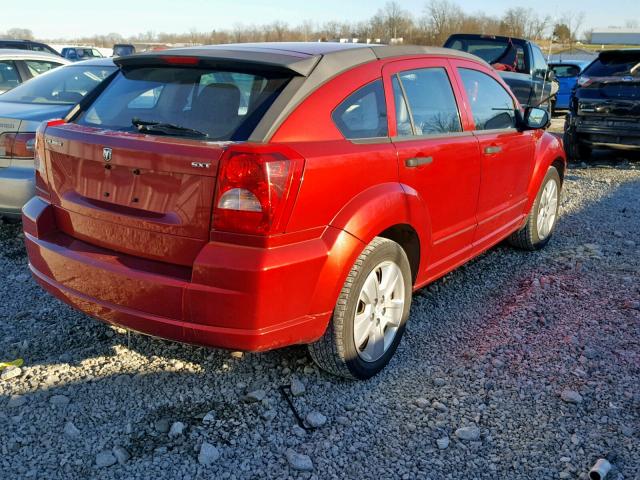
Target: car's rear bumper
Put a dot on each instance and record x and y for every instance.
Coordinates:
(17, 186)
(234, 297)
(609, 132)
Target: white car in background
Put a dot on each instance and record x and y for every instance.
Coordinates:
(18, 66)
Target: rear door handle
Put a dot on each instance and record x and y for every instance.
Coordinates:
(418, 161)
(492, 150)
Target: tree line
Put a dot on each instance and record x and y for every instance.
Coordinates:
(392, 23)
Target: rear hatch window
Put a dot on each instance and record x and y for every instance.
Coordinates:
(199, 103)
(499, 53)
(613, 75)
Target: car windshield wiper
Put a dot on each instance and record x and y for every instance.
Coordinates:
(163, 128)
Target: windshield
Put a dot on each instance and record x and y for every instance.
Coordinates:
(63, 86)
(219, 104)
(618, 65)
(494, 51)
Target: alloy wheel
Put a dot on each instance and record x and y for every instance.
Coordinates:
(547, 210)
(379, 311)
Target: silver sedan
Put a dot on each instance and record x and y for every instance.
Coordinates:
(22, 109)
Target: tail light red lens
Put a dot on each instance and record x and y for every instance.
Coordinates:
(17, 145)
(42, 182)
(256, 191)
(584, 81)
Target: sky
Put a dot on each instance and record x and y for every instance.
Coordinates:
(76, 18)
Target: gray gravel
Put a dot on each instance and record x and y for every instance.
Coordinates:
(517, 365)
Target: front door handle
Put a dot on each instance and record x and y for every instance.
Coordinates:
(418, 161)
(492, 150)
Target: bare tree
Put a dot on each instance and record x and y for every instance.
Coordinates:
(440, 19)
(444, 18)
(20, 33)
(574, 21)
(396, 21)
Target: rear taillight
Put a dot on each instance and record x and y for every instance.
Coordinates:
(256, 191)
(584, 81)
(40, 164)
(17, 145)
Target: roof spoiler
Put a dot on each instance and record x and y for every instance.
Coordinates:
(220, 58)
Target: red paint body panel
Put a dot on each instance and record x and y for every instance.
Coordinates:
(154, 265)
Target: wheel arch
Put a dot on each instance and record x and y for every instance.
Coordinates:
(549, 152)
(389, 210)
(407, 237)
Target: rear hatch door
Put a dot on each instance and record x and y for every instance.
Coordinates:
(610, 86)
(145, 195)
(135, 171)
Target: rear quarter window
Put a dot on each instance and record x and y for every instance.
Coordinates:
(363, 114)
(614, 65)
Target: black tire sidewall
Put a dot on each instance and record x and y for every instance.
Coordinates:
(388, 251)
(573, 148)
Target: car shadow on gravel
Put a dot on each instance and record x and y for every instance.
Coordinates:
(483, 335)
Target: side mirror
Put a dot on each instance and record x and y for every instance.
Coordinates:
(551, 75)
(535, 118)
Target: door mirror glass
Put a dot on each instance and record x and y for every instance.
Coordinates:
(536, 118)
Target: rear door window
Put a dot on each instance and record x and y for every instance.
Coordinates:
(363, 114)
(63, 86)
(9, 77)
(37, 67)
(425, 103)
(190, 102)
(492, 107)
(502, 54)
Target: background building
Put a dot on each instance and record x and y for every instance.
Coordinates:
(617, 36)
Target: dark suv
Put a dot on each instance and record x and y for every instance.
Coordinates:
(604, 111)
(27, 45)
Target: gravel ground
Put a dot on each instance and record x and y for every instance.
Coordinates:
(517, 365)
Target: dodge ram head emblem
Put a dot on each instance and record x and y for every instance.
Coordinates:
(106, 154)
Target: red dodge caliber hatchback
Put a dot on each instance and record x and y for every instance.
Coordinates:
(261, 195)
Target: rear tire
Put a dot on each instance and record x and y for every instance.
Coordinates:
(576, 150)
(543, 216)
(370, 316)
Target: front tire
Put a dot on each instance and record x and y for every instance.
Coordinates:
(543, 216)
(370, 316)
